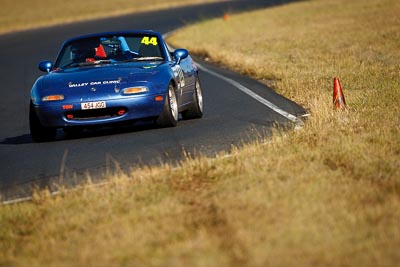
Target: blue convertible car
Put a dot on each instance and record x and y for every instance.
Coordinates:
(106, 78)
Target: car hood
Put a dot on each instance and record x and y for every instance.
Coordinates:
(94, 83)
(101, 75)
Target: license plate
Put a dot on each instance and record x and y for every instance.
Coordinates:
(93, 105)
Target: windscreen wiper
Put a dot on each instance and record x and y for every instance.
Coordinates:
(143, 59)
(90, 63)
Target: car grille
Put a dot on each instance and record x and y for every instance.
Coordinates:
(96, 113)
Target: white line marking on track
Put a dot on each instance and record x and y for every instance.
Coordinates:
(250, 93)
(17, 200)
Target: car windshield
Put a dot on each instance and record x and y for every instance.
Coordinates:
(109, 49)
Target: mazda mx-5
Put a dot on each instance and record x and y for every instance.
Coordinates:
(114, 77)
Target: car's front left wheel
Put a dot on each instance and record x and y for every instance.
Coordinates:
(195, 110)
(39, 133)
(170, 114)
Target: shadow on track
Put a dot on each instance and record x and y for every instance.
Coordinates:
(84, 133)
(17, 140)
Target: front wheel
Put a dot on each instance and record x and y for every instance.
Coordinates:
(169, 115)
(195, 110)
(39, 133)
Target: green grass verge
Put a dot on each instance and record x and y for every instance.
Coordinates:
(327, 195)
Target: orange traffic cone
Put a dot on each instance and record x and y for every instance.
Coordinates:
(338, 96)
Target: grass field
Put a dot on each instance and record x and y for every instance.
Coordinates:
(326, 195)
(28, 14)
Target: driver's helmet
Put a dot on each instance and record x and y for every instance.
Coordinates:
(79, 52)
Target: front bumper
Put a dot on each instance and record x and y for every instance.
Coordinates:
(64, 114)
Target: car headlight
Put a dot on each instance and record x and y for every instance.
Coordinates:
(53, 98)
(134, 90)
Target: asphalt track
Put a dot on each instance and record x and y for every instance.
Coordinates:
(231, 117)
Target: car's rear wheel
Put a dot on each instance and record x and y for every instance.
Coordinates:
(169, 115)
(39, 133)
(195, 110)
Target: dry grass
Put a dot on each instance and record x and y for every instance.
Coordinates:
(28, 14)
(327, 195)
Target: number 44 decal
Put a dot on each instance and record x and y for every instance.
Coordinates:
(149, 40)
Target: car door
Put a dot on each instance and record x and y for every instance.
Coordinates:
(189, 77)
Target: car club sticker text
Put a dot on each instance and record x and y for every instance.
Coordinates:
(74, 85)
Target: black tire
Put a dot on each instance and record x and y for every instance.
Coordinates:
(195, 111)
(39, 133)
(169, 115)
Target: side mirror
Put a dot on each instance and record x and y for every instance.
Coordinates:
(45, 66)
(180, 54)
